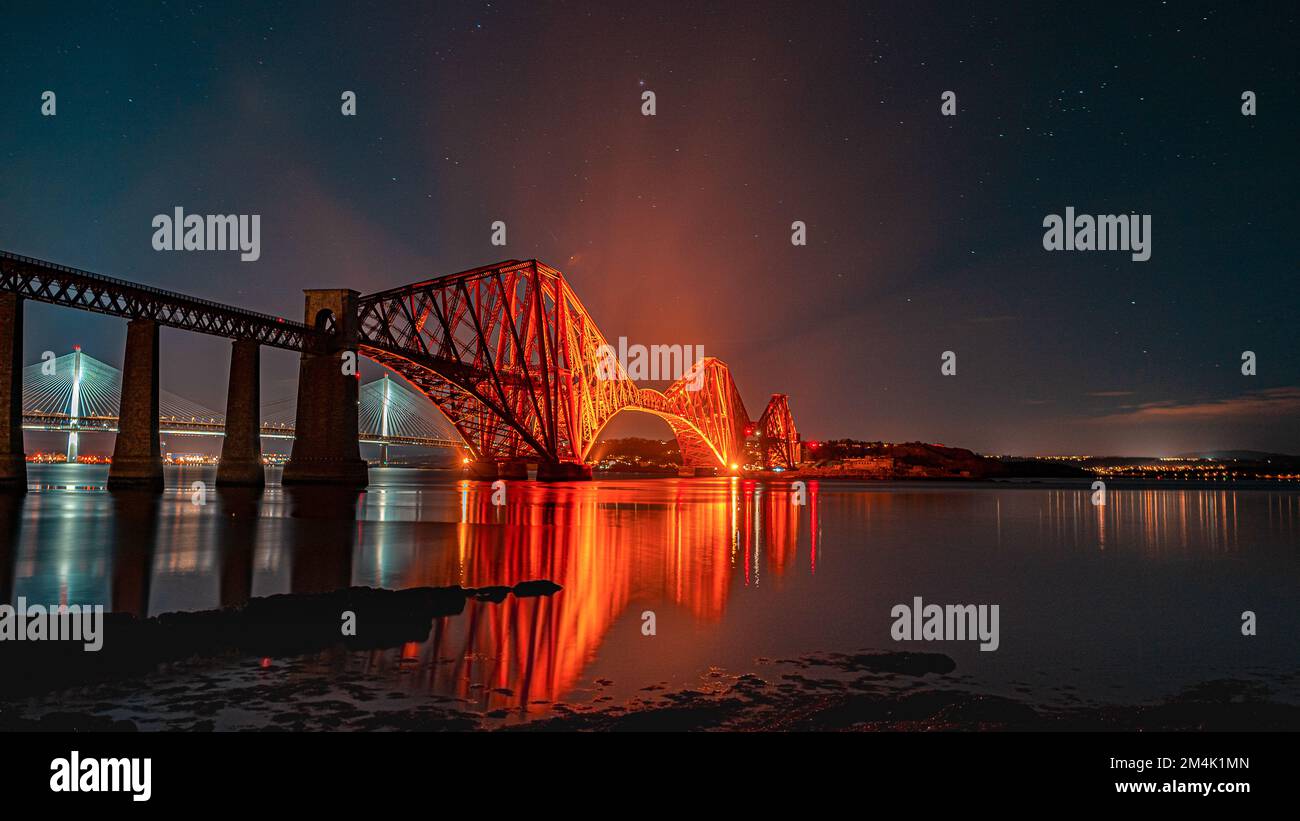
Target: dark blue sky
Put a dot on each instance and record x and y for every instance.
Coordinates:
(924, 231)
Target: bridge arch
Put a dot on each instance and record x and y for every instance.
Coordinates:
(690, 439)
(478, 421)
(324, 321)
(708, 422)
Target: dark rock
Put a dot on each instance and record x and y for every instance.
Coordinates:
(539, 587)
(496, 594)
(291, 624)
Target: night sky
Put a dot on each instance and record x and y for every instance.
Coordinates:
(924, 231)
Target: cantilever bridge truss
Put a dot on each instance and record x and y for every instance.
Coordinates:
(506, 352)
(513, 359)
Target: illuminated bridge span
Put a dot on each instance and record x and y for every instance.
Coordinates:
(77, 393)
(506, 352)
(511, 356)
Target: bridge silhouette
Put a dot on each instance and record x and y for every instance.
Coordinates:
(77, 393)
(506, 352)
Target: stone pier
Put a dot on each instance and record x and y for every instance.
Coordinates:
(563, 472)
(489, 470)
(325, 448)
(241, 450)
(13, 464)
(690, 472)
(137, 452)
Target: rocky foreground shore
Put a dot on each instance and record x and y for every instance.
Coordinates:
(286, 625)
(818, 692)
(285, 663)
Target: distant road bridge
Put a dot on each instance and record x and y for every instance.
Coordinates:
(507, 353)
(77, 393)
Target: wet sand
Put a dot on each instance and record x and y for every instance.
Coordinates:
(818, 692)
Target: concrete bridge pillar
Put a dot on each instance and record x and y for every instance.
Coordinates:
(137, 453)
(13, 464)
(241, 450)
(325, 446)
(563, 472)
(489, 470)
(691, 472)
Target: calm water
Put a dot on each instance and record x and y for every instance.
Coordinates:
(1131, 601)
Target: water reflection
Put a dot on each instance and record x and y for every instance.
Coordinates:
(733, 565)
(609, 546)
(10, 515)
(135, 524)
(238, 516)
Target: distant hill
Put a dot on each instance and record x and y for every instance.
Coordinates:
(924, 460)
(1245, 456)
(1043, 469)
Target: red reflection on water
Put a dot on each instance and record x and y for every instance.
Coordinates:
(613, 552)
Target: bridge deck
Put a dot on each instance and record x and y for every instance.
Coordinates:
(44, 281)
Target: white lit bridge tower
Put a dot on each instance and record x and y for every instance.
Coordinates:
(74, 407)
(386, 402)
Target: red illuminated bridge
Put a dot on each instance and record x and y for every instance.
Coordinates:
(506, 352)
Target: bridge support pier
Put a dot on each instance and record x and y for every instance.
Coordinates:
(325, 446)
(489, 470)
(688, 472)
(241, 450)
(13, 462)
(563, 472)
(137, 452)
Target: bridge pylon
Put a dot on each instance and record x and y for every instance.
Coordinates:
(241, 449)
(488, 470)
(13, 462)
(74, 408)
(325, 447)
(563, 472)
(137, 450)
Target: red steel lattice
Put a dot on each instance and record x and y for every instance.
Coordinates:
(511, 357)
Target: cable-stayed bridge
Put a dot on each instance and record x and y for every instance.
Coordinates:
(78, 393)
